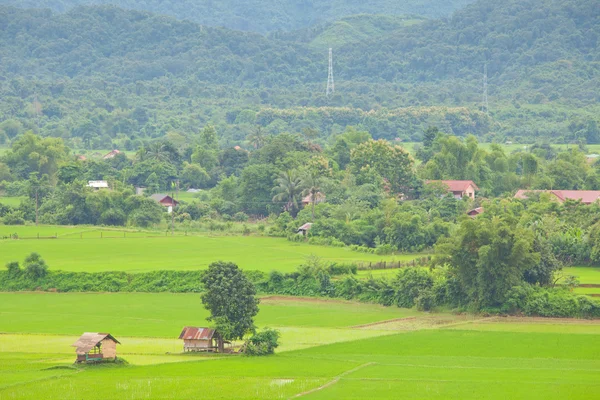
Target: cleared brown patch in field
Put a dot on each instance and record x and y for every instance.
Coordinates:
(278, 299)
(418, 323)
(540, 320)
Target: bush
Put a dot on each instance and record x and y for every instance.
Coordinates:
(14, 218)
(549, 302)
(263, 343)
(35, 266)
(409, 284)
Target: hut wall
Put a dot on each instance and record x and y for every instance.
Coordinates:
(109, 348)
(196, 344)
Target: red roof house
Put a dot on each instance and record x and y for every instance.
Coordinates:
(459, 189)
(586, 196)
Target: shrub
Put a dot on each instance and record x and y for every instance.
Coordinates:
(35, 266)
(13, 268)
(14, 218)
(263, 343)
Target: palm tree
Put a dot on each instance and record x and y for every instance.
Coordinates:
(288, 189)
(311, 182)
(157, 151)
(257, 137)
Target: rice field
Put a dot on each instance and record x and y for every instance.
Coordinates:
(94, 250)
(330, 350)
(11, 201)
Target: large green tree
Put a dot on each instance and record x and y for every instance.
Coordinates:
(231, 299)
(489, 257)
(390, 162)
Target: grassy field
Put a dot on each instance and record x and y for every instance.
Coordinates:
(324, 355)
(138, 253)
(11, 201)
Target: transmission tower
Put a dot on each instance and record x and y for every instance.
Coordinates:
(330, 85)
(484, 99)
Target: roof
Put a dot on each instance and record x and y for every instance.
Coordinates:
(111, 154)
(97, 184)
(475, 211)
(194, 333)
(88, 340)
(586, 196)
(159, 196)
(305, 227)
(308, 199)
(456, 186)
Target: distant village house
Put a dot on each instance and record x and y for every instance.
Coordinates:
(165, 201)
(94, 347)
(111, 154)
(475, 212)
(459, 189)
(97, 185)
(305, 228)
(585, 196)
(320, 198)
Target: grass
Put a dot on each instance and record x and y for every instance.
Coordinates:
(586, 275)
(164, 314)
(70, 253)
(321, 355)
(12, 201)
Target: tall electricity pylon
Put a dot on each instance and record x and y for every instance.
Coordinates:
(484, 98)
(330, 85)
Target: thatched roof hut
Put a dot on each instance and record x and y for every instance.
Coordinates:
(93, 347)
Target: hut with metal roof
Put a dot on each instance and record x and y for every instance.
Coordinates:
(201, 339)
(94, 347)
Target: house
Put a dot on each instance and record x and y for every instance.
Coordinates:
(165, 200)
(93, 347)
(459, 189)
(97, 185)
(320, 198)
(305, 228)
(201, 339)
(475, 212)
(585, 196)
(112, 154)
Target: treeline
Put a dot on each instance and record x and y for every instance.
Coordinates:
(356, 191)
(162, 76)
(260, 15)
(440, 288)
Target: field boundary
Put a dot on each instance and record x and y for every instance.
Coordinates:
(382, 322)
(333, 381)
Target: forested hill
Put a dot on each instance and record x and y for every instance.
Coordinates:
(151, 74)
(262, 15)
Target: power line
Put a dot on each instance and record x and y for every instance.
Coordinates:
(330, 84)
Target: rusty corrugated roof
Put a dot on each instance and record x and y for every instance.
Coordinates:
(194, 333)
(88, 340)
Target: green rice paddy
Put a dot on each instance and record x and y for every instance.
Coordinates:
(327, 352)
(11, 201)
(92, 250)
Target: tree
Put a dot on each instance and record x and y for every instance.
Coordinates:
(288, 189)
(312, 187)
(390, 162)
(230, 298)
(489, 257)
(257, 137)
(35, 266)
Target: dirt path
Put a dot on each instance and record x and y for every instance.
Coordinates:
(333, 381)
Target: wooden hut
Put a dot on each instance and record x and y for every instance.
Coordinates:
(93, 347)
(201, 339)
